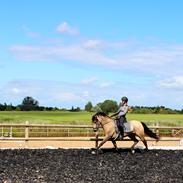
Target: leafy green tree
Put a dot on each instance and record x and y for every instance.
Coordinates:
(18, 108)
(88, 106)
(109, 106)
(2, 107)
(29, 104)
(96, 109)
(72, 108)
(9, 107)
(77, 109)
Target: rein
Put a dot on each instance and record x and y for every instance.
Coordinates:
(105, 123)
(102, 125)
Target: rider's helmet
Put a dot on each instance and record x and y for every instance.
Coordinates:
(125, 99)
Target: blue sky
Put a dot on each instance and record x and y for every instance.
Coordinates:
(67, 52)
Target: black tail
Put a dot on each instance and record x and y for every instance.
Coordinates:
(149, 132)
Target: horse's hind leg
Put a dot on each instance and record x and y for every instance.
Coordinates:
(144, 142)
(115, 145)
(132, 137)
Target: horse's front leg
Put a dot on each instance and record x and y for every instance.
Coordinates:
(106, 138)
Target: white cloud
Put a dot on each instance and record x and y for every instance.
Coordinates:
(93, 44)
(74, 53)
(63, 94)
(66, 28)
(29, 32)
(175, 82)
(155, 60)
(20, 88)
(89, 81)
(105, 85)
(66, 97)
(57, 94)
(16, 90)
(33, 34)
(150, 59)
(86, 93)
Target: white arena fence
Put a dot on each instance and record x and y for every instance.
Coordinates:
(38, 131)
(45, 132)
(28, 130)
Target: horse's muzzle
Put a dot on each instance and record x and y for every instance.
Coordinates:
(95, 129)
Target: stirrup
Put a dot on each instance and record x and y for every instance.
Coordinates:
(118, 136)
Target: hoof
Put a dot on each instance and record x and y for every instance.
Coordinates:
(93, 152)
(133, 151)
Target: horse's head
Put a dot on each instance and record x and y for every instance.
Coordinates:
(97, 120)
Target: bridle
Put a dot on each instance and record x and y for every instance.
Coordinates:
(98, 124)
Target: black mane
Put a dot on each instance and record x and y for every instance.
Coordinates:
(98, 114)
(101, 114)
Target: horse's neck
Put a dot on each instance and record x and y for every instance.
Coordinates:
(105, 121)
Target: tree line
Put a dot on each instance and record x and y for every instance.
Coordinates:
(107, 106)
(31, 104)
(112, 106)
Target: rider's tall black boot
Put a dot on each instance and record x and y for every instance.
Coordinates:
(121, 131)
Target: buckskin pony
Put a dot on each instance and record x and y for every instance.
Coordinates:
(133, 130)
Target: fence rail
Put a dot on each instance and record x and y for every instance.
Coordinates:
(35, 132)
(28, 131)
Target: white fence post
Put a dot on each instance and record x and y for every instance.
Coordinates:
(11, 132)
(181, 142)
(157, 128)
(27, 130)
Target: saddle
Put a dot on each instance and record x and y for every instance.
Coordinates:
(127, 127)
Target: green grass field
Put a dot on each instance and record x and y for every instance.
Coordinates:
(57, 117)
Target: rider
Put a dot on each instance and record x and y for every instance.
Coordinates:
(121, 115)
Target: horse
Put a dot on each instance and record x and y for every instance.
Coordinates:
(137, 129)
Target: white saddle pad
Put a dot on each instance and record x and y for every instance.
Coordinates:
(128, 127)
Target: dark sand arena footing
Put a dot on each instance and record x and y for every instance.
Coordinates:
(80, 166)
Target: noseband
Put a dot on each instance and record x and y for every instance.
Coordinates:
(97, 126)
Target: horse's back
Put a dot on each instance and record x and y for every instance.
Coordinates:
(135, 122)
(137, 126)
(130, 126)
